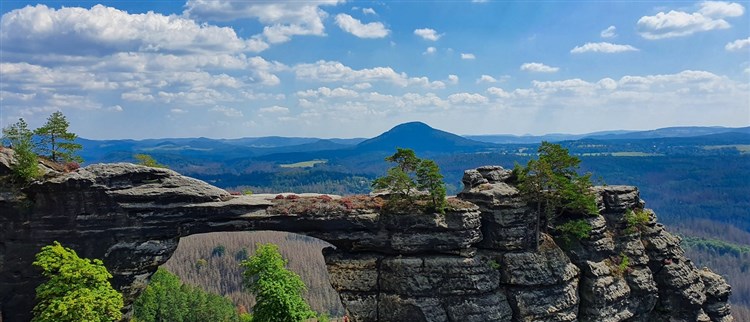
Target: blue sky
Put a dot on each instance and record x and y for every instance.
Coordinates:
(331, 68)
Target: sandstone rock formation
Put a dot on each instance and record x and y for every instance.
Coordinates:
(480, 262)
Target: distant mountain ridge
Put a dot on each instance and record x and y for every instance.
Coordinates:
(414, 135)
(667, 132)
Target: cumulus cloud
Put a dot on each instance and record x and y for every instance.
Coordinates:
(282, 19)
(429, 51)
(428, 34)
(710, 16)
(467, 56)
(369, 11)
(602, 47)
(538, 68)
(610, 32)
(333, 71)
(738, 44)
(453, 79)
(498, 92)
(486, 79)
(357, 28)
(467, 98)
(104, 30)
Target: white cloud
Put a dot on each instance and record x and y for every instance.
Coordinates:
(369, 11)
(332, 71)
(429, 51)
(538, 68)
(721, 9)
(104, 30)
(282, 19)
(453, 79)
(276, 109)
(738, 44)
(602, 47)
(428, 34)
(115, 108)
(177, 111)
(468, 98)
(467, 56)
(610, 32)
(357, 28)
(499, 92)
(227, 111)
(486, 79)
(679, 23)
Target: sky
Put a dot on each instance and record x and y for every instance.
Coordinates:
(333, 68)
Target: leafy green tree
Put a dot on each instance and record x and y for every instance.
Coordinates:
(430, 179)
(552, 182)
(167, 299)
(19, 137)
(147, 160)
(56, 141)
(77, 290)
(277, 290)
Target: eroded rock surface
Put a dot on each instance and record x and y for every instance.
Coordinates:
(477, 263)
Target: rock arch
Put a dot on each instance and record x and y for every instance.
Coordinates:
(476, 263)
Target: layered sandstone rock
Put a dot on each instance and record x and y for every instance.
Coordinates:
(474, 263)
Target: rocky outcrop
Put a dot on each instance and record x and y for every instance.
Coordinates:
(480, 261)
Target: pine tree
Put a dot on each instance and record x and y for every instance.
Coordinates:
(55, 140)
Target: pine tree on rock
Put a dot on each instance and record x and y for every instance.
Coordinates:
(55, 140)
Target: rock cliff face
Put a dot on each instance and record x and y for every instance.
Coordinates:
(479, 262)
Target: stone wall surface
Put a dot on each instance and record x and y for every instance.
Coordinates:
(481, 262)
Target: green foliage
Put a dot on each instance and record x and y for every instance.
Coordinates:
(430, 179)
(147, 160)
(624, 263)
(635, 220)
(277, 290)
(715, 246)
(553, 180)
(574, 230)
(77, 290)
(19, 137)
(411, 173)
(56, 142)
(247, 192)
(553, 183)
(494, 264)
(167, 299)
(218, 251)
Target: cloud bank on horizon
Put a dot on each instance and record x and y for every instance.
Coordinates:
(332, 68)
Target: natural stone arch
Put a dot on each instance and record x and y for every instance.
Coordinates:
(478, 263)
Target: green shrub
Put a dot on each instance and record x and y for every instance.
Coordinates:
(575, 230)
(636, 220)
